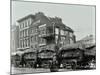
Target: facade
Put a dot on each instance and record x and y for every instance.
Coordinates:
(24, 36)
(14, 38)
(87, 41)
(39, 32)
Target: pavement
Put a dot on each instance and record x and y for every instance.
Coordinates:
(32, 70)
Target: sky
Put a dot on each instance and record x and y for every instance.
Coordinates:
(78, 17)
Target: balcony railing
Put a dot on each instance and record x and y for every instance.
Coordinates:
(46, 31)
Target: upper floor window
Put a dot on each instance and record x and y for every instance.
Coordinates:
(56, 30)
(71, 41)
(34, 30)
(71, 34)
(20, 26)
(62, 40)
(29, 21)
(21, 43)
(65, 32)
(23, 33)
(42, 41)
(26, 32)
(56, 39)
(42, 29)
(62, 32)
(25, 23)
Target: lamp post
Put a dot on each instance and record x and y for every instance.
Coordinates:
(54, 65)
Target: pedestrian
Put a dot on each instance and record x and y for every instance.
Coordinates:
(54, 65)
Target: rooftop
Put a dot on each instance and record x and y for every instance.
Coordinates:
(21, 19)
(56, 20)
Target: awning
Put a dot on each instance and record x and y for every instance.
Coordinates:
(46, 51)
(46, 54)
(23, 52)
(72, 46)
(91, 51)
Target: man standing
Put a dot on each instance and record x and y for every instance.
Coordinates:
(54, 64)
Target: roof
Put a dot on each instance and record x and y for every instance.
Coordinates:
(68, 28)
(58, 21)
(21, 19)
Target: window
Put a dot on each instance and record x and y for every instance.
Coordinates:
(42, 41)
(23, 33)
(29, 21)
(20, 33)
(21, 43)
(56, 30)
(26, 42)
(27, 32)
(65, 32)
(62, 32)
(32, 39)
(36, 30)
(31, 30)
(56, 39)
(36, 38)
(42, 29)
(20, 26)
(71, 41)
(25, 23)
(71, 34)
(62, 40)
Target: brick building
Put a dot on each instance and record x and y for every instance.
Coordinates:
(39, 32)
(24, 35)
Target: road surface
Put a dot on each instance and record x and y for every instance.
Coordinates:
(32, 70)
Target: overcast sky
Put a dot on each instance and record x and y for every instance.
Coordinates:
(80, 18)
